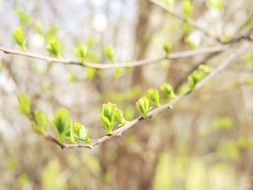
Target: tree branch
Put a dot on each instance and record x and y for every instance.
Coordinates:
(169, 105)
(172, 56)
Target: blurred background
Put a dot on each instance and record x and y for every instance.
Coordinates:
(204, 143)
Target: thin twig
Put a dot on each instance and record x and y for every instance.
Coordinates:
(169, 105)
(184, 19)
(172, 56)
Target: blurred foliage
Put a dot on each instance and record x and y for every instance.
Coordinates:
(204, 143)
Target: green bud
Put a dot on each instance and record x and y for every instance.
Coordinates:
(81, 51)
(80, 132)
(167, 48)
(143, 106)
(109, 53)
(168, 90)
(62, 123)
(154, 96)
(19, 37)
(54, 47)
(24, 106)
(40, 122)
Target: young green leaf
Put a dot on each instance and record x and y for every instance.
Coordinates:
(198, 75)
(205, 69)
(167, 48)
(108, 110)
(80, 132)
(119, 117)
(70, 135)
(54, 47)
(109, 53)
(19, 37)
(109, 116)
(62, 123)
(23, 17)
(193, 79)
(90, 73)
(154, 96)
(40, 122)
(143, 106)
(168, 90)
(81, 51)
(187, 7)
(24, 106)
(106, 124)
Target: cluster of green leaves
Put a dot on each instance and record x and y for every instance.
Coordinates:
(153, 96)
(109, 116)
(197, 75)
(18, 33)
(38, 118)
(64, 127)
(54, 47)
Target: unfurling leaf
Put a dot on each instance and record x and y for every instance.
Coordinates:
(106, 124)
(119, 117)
(24, 106)
(54, 47)
(109, 53)
(198, 75)
(81, 51)
(80, 132)
(62, 123)
(154, 96)
(108, 110)
(205, 69)
(40, 122)
(19, 37)
(143, 106)
(167, 89)
(109, 116)
(22, 16)
(167, 48)
(193, 79)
